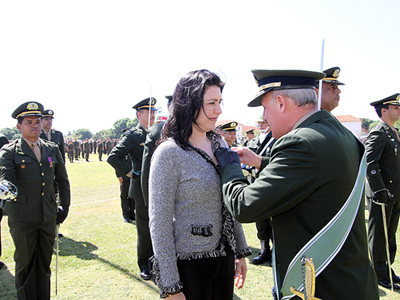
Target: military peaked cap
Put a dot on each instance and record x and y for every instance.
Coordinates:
(332, 76)
(250, 131)
(268, 80)
(146, 104)
(48, 113)
(28, 109)
(169, 99)
(230, 126)
(392, 100)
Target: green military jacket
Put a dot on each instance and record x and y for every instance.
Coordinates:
(36, 200)
(383, 160)
(149, 148)
(131, 144)
(309, 176)
(56, 137)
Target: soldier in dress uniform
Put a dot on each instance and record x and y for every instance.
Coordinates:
(100, 149)
(86, 149)
(127, 203)
(50, 134)
(311, 187)
(71, 153)
(261, 145)
(383, 186)
(249, 137)
(33, 164)
(77, 149)
(228, 131)
(95, 146)
(330, 89)
(132, 144)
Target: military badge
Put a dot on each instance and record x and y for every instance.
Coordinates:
(336, 73)
(32, 106)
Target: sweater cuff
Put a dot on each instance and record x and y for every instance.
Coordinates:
(242, 253)
(165, 291)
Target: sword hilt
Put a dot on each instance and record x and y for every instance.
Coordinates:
(308, 270)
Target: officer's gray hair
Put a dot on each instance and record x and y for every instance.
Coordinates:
(299, 96)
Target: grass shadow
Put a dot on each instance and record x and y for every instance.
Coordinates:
(7, 284)
(84, 250)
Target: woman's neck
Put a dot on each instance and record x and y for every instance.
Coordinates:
(198, 138)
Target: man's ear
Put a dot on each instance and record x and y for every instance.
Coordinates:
(282, 103)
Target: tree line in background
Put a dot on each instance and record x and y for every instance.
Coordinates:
(82, 134)
(120, 125)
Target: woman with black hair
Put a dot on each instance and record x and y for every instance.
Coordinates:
(198, 247)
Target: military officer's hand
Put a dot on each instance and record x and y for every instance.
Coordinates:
(62, 213)
(381, 197)
(226, 156)
(248, 157)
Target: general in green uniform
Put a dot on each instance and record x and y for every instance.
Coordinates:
(311, 172)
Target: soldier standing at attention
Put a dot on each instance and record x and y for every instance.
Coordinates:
(330, 89)
(100, 149)
(311, 187)
(71, 151)
(249, 137)
(229, 133)
(86, 149)
(132, 144)
(50, 134)
(77, 149)
(33, 164)
(94, 146)
(383, 186)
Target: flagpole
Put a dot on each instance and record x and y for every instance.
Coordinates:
(321, 69)
(148, 124)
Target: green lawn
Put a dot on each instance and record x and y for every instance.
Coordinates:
(97, 257)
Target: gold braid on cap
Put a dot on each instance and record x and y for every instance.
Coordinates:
(268, 85)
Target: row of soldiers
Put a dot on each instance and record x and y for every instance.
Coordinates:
(82, 149)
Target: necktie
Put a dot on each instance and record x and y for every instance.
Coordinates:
(36, 151)
(48, 136)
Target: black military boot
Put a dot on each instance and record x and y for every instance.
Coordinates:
(264, 255)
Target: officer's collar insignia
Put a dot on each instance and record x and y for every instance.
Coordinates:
(32, 106)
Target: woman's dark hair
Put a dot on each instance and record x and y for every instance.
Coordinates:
(186, 103)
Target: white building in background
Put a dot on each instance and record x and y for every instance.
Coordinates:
(352, 123)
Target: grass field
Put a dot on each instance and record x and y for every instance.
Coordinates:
(97, 255)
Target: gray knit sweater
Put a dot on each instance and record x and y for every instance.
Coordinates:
(187, 217)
